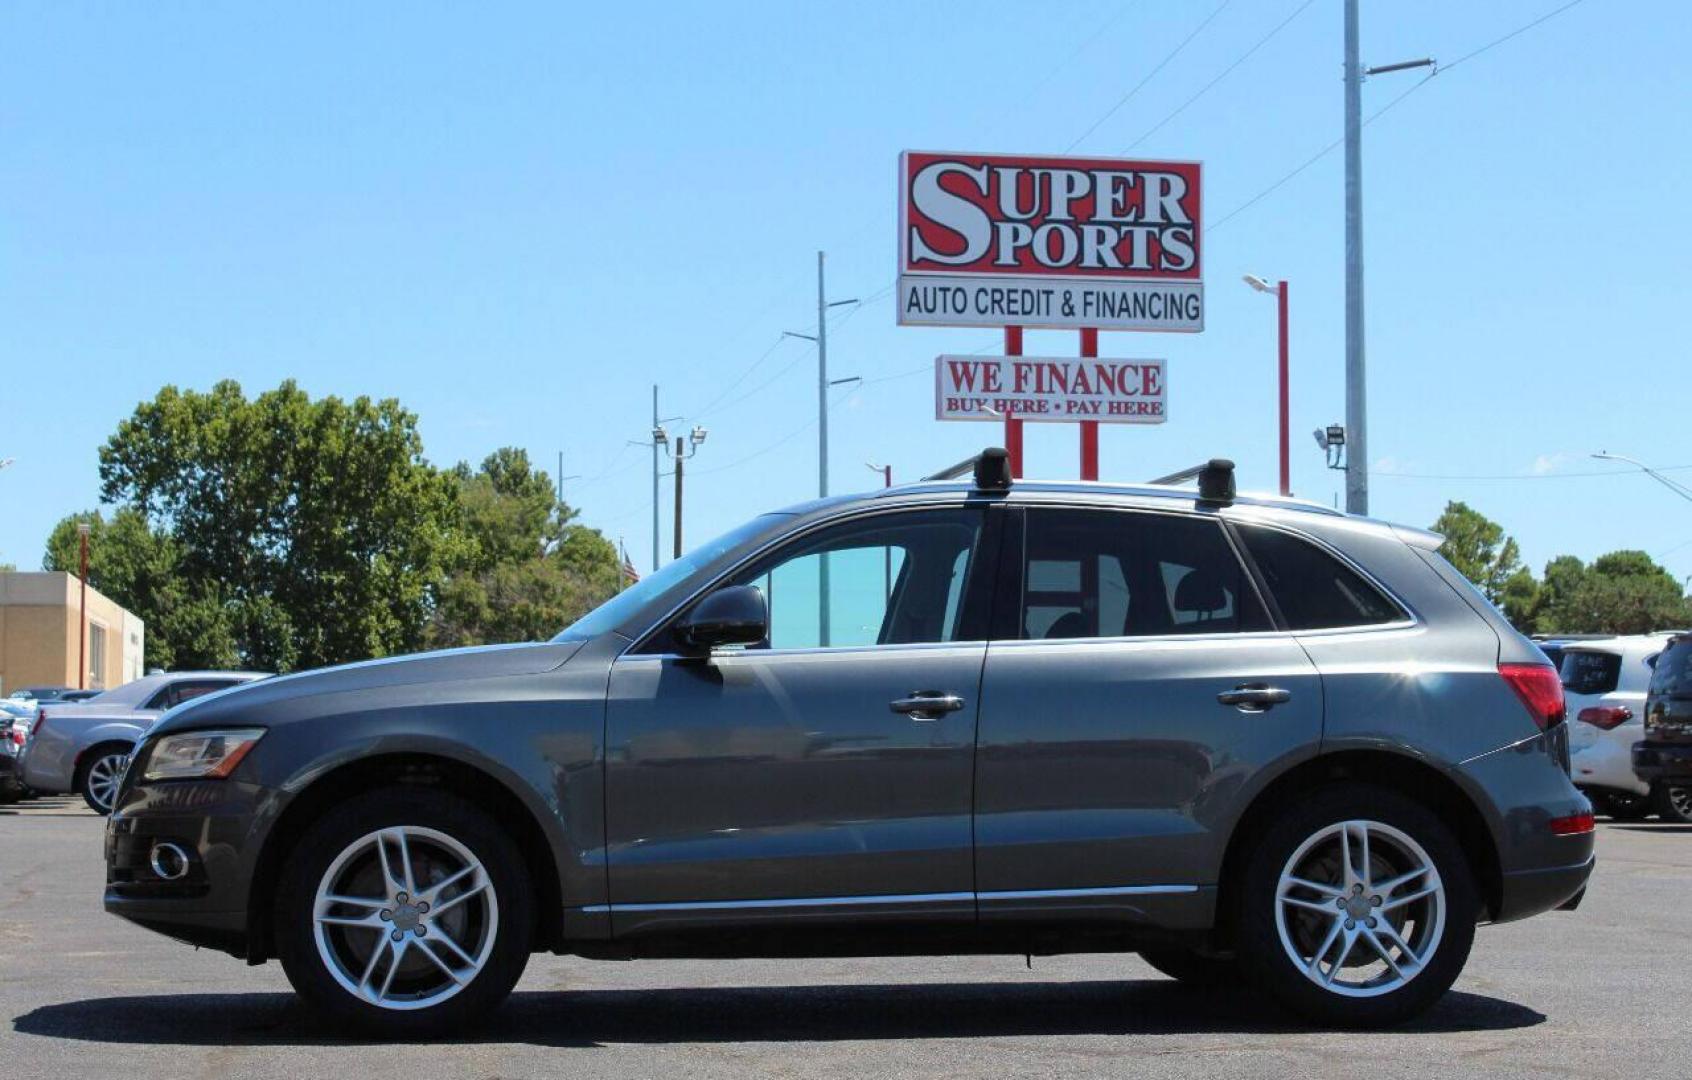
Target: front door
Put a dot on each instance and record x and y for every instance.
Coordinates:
(1129, 699)
(826, 770)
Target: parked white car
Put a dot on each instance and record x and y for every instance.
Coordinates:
(83, 747)
(1604, 680)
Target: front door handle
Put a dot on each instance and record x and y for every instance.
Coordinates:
(927, 704)
(1254, 697)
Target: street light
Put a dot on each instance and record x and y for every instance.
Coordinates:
(1679, 489)
(1279, 292)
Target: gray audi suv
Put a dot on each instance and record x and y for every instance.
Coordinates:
(1251, 739)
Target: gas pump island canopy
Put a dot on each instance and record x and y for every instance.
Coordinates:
(1049, 242)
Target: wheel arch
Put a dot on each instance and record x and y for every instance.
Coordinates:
(1409, 776)
(418, 768)
(105, 739)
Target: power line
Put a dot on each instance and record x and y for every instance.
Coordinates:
(1372, 117)
(1587, 473)
(1264, 40)
(1150, 75)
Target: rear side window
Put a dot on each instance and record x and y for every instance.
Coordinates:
(1314, 590)
(1673, 674)
(1586, 671)
(1107, 573)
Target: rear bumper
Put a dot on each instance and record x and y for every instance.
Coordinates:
(1530, 892)
(1654, 761)
(1607, 762)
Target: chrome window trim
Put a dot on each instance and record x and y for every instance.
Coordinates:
(974, 645)
(902, 898)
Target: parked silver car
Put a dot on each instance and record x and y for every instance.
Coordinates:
(82, 747)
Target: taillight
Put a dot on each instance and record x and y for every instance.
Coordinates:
(1540, 690)
(1573, 825)
(1606, 717)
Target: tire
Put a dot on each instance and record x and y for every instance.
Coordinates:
(1428, 890)
(1193, 968)
(1674, 803)
(98, 773)
(346, 968)
(1624, 805)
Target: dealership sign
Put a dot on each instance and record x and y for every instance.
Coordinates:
(1049, 242)
(1057, 388)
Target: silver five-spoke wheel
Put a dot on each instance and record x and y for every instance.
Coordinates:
(1360, 908)
(101, 784)
(405, 917)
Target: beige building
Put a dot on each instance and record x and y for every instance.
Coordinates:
(38, 634)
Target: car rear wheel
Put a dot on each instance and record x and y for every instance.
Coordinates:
(98, 775)
(1357, 908)
(404, 912)
(1674, 803)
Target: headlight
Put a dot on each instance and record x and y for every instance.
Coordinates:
(204, 755)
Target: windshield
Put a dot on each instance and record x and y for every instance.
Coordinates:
(617, 610)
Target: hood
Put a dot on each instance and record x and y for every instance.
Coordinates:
(446, 665)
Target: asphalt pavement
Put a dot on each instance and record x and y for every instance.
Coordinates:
(1601, 992)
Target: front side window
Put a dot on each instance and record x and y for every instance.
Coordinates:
(891, 579)
(1314, 590)
(1101, 573)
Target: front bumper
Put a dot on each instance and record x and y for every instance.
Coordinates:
(1670, 762)
(213, 821)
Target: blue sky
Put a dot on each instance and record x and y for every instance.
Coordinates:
(517, 218)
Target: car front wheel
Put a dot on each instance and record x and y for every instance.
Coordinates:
(1674, 803)
(404, 912)
(97, 778)
(1357, 908)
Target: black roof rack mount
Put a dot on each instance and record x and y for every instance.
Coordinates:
(992, 469)
(1216, 482)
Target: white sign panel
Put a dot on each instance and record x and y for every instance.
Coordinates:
(1041, 303)
(1051, 388)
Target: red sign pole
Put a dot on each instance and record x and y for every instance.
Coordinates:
(1013, 426)
(1286, 469)
(1089, 428)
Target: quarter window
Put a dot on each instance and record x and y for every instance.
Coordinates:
(1314, 590)
(1092, 573)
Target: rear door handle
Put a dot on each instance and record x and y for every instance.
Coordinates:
(1254, 697)
(927, 704)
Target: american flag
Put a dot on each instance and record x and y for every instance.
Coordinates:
(630, 574)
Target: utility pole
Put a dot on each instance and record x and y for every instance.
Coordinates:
(658, 436)
(821, 338)
(1356, 388)
(1356, 397)
(685, 448)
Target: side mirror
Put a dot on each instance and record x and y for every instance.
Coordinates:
(737, 615)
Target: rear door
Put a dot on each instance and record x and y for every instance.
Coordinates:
(1131, 693)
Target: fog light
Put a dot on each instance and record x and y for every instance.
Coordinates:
(169, 861)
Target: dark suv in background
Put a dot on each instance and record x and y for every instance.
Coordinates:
(1248, 738)
(1664, 757)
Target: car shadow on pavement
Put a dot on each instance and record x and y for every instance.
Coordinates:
(586, 1018)
(1654, 828)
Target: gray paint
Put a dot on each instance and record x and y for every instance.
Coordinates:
(1090, 780)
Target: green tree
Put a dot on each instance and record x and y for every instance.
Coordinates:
(301, 532)
(1478, 548)
(1624, 592)
(524, 570)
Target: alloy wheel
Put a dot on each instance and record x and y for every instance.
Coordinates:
(405, 917)
(1360, 908)
(101, 784)
(1680, 801)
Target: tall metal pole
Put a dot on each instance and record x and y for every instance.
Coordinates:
(1356, 396)
(82, 628)
(1286, 454)
(655, 467)
(822, 446)
(680, 459)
